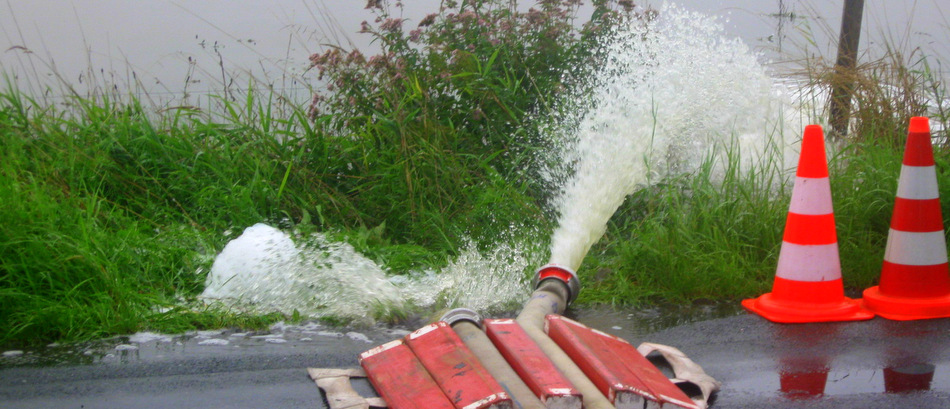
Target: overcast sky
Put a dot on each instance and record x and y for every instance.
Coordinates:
(166, 41)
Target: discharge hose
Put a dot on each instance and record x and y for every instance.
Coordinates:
(467, 325)
(557, 287)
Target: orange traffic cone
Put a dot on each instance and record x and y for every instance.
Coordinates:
(808, 286)
(915, 278)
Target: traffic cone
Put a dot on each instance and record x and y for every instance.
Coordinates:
(915, 278)
(808, 286)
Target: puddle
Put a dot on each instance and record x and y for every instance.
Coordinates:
(834, 360)
(803, 381)
(819, 364)
(633, 324)
(150, 347)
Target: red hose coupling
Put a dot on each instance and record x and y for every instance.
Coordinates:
(560, 273)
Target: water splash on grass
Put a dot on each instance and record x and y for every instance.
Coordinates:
(673, 89)
(265, 270)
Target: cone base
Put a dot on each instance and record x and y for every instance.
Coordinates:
(903, 308)
(777, 310)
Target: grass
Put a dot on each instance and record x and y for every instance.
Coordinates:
(113, 211)
(696, 237)
(106, 217)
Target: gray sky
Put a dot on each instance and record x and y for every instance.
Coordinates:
(165, 42)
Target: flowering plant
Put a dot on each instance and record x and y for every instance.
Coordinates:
(468, 62)
(434, 120)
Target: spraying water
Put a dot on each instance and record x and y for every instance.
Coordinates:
(672, 89)
(266, 270)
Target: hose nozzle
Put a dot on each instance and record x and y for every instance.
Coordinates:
(560, 273)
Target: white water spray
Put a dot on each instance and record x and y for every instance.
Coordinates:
(266, 270)
(672, 90)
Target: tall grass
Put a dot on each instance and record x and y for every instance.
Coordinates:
(110, 215)
(705, 236)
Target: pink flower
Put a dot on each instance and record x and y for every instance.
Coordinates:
(377, 62)
(428, 20)
(319, 59)
(535, 16)
(374, 4)
(391, 24)
(365, 28)
(355, 57)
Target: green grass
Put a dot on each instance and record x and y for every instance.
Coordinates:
(113, 213)
(107, 217)
(698, 238)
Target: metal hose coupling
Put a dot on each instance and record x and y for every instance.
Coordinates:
(462, 314)
(560, 273)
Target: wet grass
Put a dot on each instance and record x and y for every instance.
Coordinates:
(110, 216)
(704, 237)
(113, 212)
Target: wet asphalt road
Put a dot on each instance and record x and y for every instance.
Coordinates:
(871, 364)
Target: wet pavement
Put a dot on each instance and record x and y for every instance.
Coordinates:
(870, 364)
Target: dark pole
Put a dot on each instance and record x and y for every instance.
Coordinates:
(847, 59)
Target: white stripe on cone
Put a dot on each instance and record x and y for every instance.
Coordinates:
(811, 196)
(918, 183)
(810, 263)
(916, 249)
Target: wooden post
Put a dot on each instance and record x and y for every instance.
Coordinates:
(844, 67)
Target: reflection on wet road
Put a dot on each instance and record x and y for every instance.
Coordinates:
(877, 363)
(868, 364)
